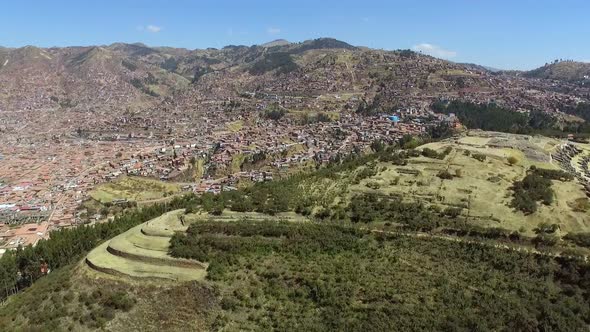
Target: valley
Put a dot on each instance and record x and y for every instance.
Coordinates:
(287, 186)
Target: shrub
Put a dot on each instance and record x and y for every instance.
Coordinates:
(429, 153)
(580, 204)
(512, 160)
(479, 157)
(445, 175)
(452, 212)
(581, 239)
(119, 301)
(395, 181)
(373, 185)
(545, 240)
(322, 213)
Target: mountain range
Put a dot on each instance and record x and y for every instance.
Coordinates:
(134, 77)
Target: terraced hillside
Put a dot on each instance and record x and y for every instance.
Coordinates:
(142, 252)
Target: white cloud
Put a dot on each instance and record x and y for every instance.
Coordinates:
(434, 50)
(273, 31)
(153, 28)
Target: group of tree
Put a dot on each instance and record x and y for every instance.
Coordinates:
(321, 276)
(495, 118)
(319, 117)
(281, 62)
(536, 187)
(430, 153)
(274, 112)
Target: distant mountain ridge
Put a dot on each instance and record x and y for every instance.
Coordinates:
(124, 77)
(277, 42)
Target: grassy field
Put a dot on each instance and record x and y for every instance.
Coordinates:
(482, 188)
(142, 252)
(134, 189)
(235, 126)
(199, 169)
(236, 162)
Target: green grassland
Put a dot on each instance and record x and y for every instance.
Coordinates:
(133, 189)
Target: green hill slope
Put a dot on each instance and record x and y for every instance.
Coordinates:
(268, 275)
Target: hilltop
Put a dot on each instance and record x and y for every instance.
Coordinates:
(568, 71)
(277, 42)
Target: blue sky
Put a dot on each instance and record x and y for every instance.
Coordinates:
(519, 34)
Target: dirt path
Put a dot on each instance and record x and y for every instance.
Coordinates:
(517, 248)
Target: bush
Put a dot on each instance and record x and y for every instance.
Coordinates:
(322, 213)
(479, 157)
(373, 185)
(545, 240)
(452, 212)
(445, 175)
(430, 153)
(512, 160)
(119, 301)
(581, 239)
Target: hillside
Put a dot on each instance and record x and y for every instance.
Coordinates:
(568, 71)
(116, 78)
(269, 275)
(428, 237)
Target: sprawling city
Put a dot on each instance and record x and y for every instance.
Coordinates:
(313, 184)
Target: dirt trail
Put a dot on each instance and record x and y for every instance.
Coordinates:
(516, 248)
